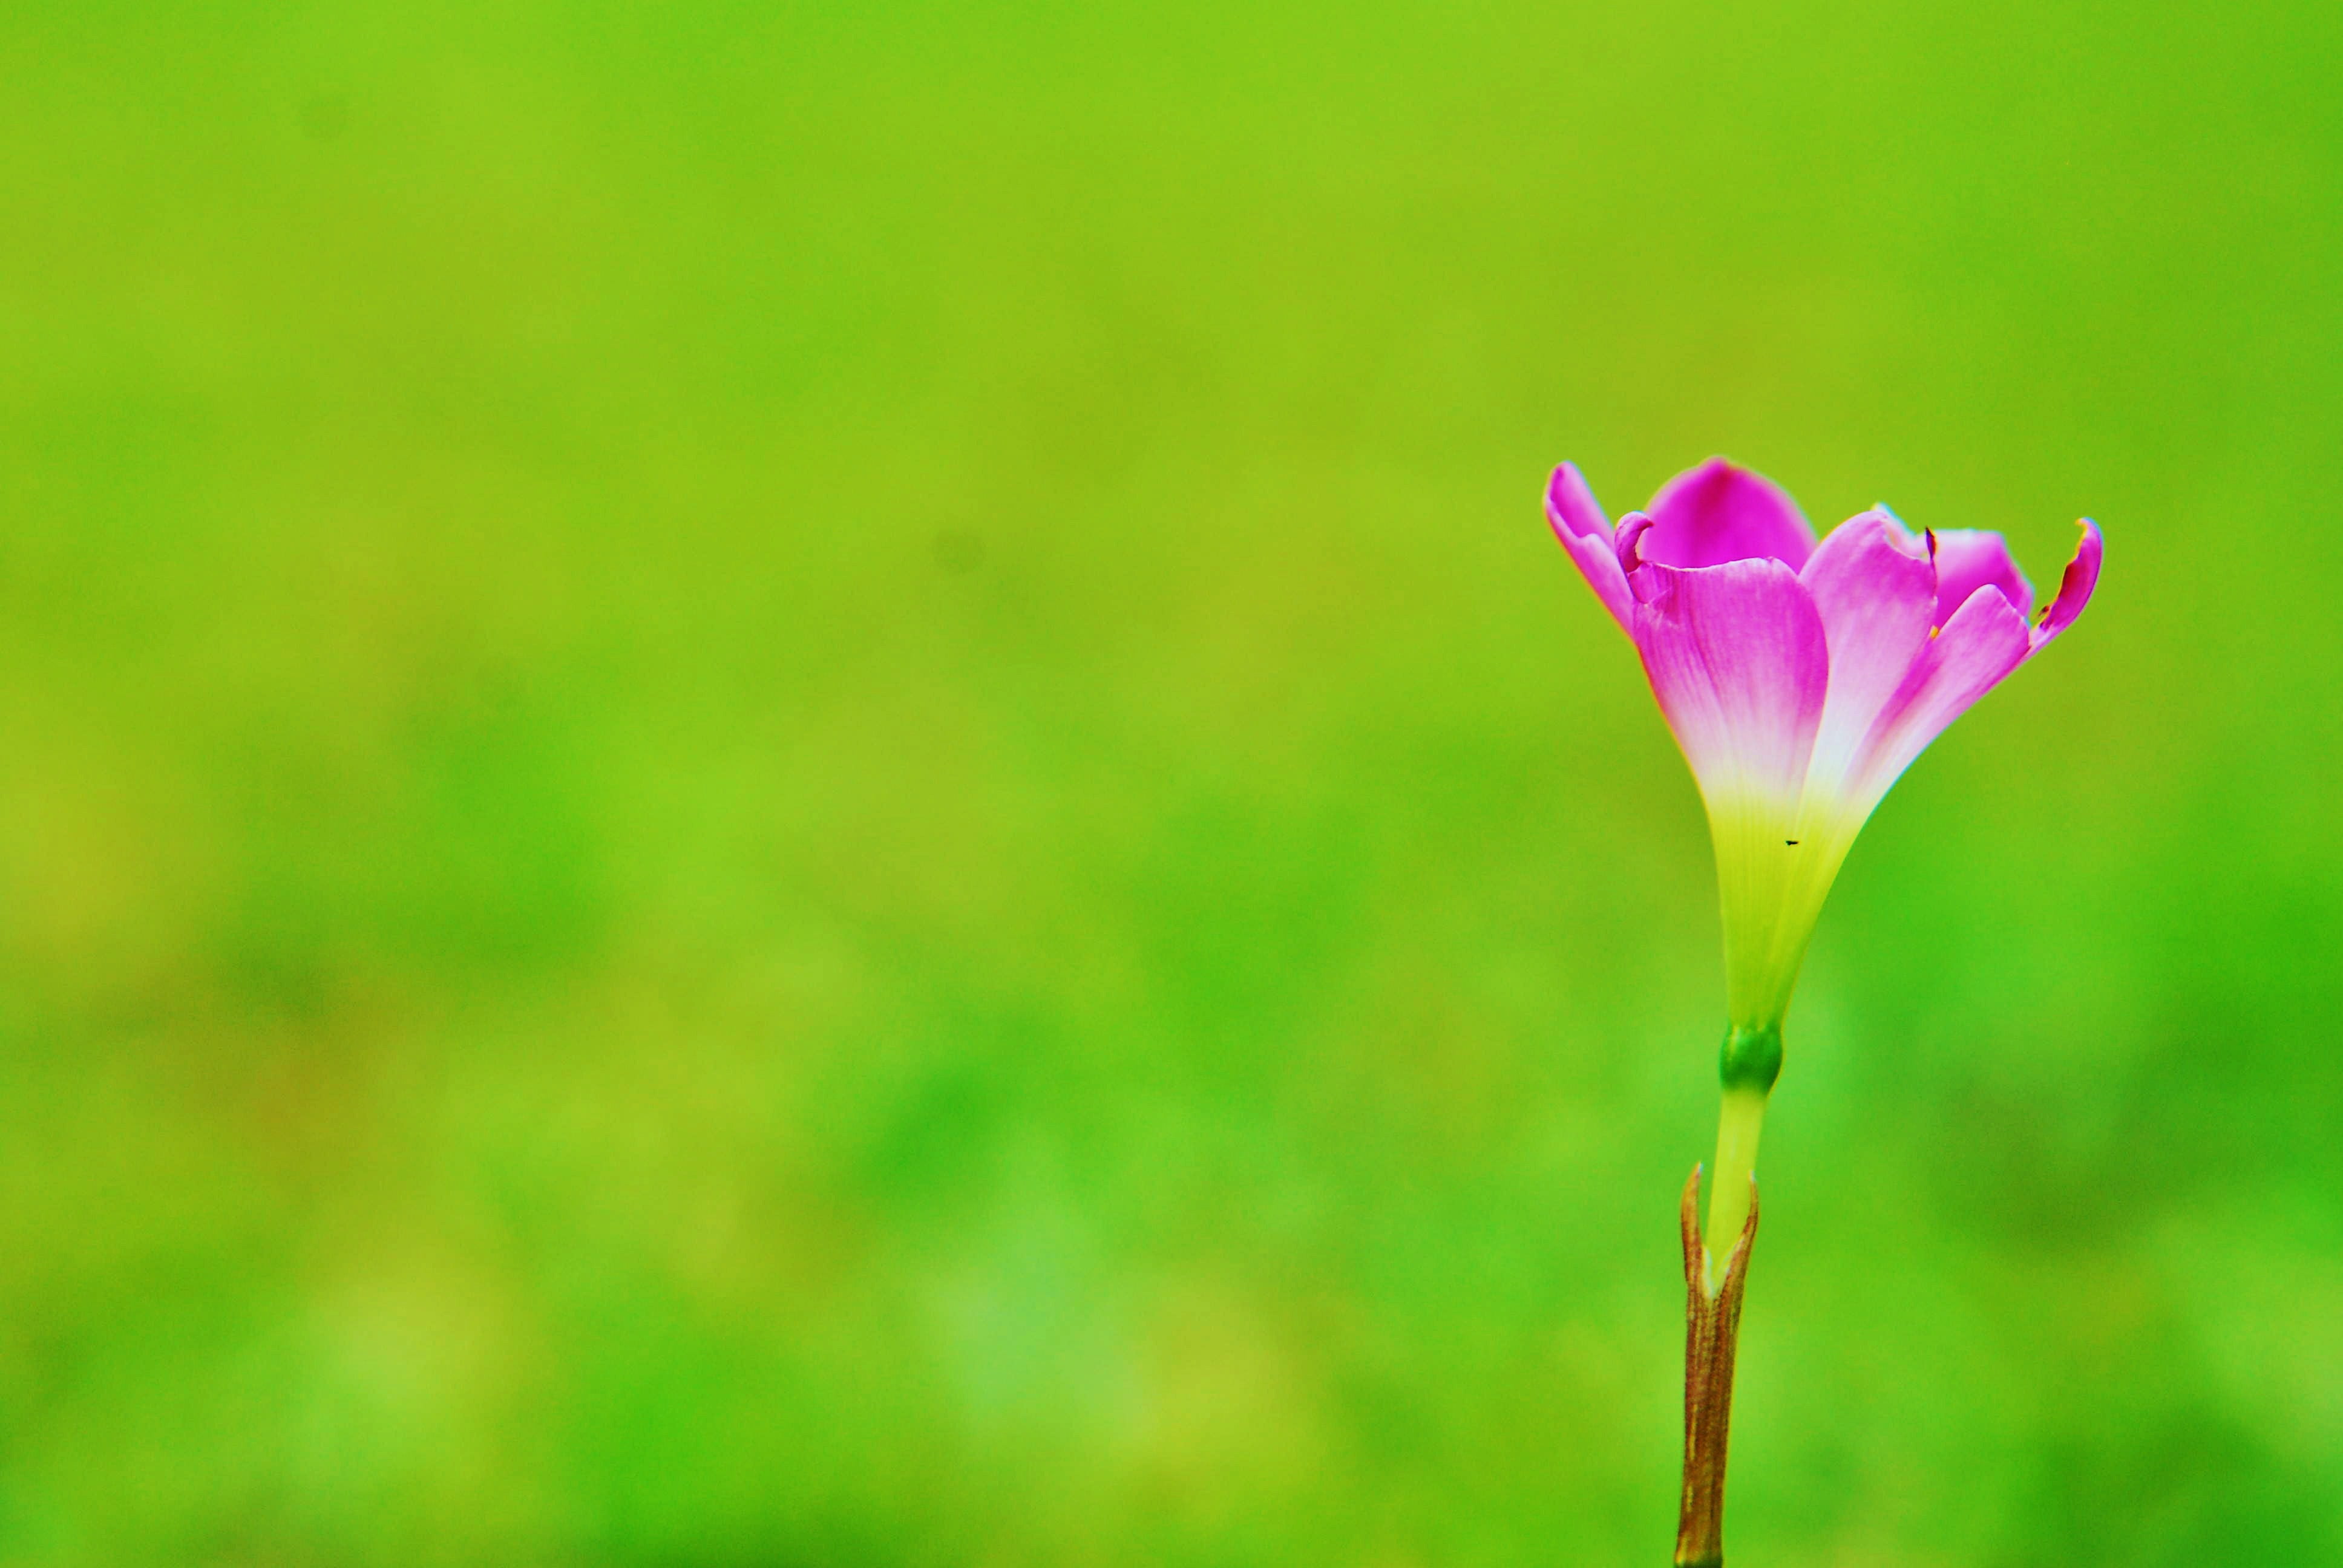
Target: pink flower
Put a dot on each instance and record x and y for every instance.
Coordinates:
(1801, 678)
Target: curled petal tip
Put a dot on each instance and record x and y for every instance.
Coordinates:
(1628, 540)
(2075, 587)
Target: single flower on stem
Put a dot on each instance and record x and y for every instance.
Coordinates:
(1801, 679)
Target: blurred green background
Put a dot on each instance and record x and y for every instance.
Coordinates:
(804, 785)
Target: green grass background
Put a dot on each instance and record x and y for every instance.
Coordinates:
(806, 784)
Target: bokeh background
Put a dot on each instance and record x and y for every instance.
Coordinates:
(806, 784)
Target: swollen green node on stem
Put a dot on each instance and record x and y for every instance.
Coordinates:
(1751, 1057)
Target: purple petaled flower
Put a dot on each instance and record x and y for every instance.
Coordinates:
(1801, 678)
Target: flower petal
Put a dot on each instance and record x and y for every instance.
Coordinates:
(1571, 506)
(1716, 513)
(1967, 559)
(1578, 522)
(1877, 593)
(1739, 663)
(1985, 640)
(1736, 657)
(2075, 587)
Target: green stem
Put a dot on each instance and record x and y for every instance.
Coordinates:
(1716, 1266)
(1739, 1121)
